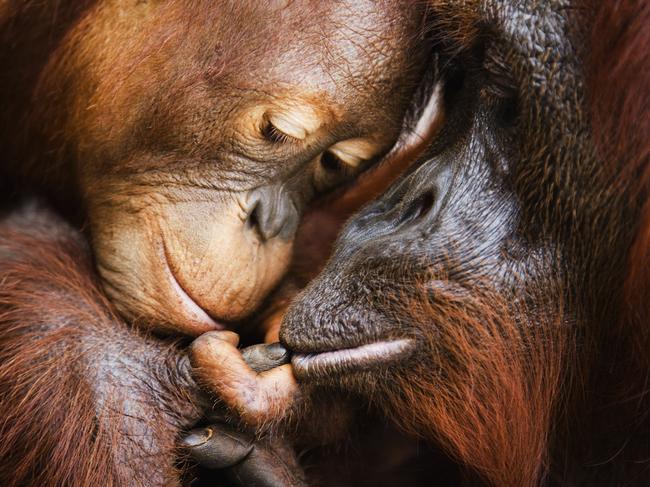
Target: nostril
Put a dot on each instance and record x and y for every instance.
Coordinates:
(253, 221)
(264, 220)
(418, 208)
(257, 219)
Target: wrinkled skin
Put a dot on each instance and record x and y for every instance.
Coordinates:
(193, 148)
(476, 210)
(336, 437)
(182, 142)
(476, 302)
(488, 278)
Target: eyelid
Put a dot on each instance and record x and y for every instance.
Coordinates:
(297, 123)
(354, 152)
(273, 134)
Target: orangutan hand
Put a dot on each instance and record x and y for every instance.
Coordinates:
(257, 385)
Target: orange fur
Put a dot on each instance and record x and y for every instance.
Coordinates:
(490, 401)
(83, 399)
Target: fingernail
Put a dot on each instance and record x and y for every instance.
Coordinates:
(197, 437)
(276, 351)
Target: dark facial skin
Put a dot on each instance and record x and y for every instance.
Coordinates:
(493, 205)
(481, 289)
(199, 133)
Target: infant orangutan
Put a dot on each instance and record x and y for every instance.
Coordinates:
(174, 147)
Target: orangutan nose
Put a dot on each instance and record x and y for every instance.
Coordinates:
(272, 212)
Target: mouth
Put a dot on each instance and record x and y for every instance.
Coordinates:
(197, 321)
(350, 360)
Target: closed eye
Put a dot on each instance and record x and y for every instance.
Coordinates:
(275, 135)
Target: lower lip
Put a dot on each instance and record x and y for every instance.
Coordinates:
(351, 359)
(200, 321)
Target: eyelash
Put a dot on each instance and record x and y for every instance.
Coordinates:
(272, 134)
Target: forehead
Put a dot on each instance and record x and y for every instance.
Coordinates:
(260, 33)
(332, 47)
(533, 25)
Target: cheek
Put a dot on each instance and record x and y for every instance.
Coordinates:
(224, 270)
(130, 260)
(183, 266)
(220, 261)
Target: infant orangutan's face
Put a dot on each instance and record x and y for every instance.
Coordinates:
(205, 131)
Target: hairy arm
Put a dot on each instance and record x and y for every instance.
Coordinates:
(84, 399)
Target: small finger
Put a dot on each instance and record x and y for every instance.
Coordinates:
(264, 357)
(219, 365)
(227, 336)
(256, 398)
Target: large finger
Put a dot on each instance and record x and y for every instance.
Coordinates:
(217, 446)
(268, 465)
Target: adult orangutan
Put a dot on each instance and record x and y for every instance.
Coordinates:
(182, 141)
(495, 301)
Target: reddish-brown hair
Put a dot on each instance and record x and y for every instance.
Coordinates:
(618, 88)
(84, 399)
